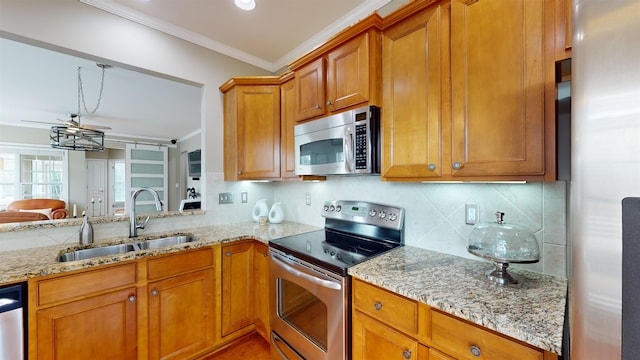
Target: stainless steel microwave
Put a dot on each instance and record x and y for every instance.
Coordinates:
(344, 143)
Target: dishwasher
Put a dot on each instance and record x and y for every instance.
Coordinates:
(12, 328)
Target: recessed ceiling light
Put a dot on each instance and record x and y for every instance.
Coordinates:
(245, 4)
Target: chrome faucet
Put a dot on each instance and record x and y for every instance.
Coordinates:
(133, 223)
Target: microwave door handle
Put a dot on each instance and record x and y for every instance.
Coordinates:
(348, 149)
(321, 282)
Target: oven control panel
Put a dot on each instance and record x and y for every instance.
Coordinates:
(365, 212)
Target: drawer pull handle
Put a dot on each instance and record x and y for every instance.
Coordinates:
(132, 298)
(154, 292)
(377, 305)
(406, 354)
(475, 350)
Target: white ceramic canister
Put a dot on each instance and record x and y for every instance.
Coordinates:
(260, 209)
(276, 215)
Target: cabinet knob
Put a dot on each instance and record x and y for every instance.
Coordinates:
(457, 165)
(406, 354)
(318, 106)
(329, 103)
(377, 305)
(432, 167)
(132, 298)
(475, 350)
(228, 253)
(239, 172)
(154, 292)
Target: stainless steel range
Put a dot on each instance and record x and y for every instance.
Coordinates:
(310, 287)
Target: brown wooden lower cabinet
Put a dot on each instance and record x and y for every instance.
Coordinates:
(160, 307)
(181, 315)
(375, 340)
(96, 327)
(261, 290)
(434, 336)
(237, 286)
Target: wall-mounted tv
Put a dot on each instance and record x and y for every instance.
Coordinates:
(194, 164)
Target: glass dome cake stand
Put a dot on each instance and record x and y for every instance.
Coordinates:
(503, 244)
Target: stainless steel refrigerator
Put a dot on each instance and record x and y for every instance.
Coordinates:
(605, 169)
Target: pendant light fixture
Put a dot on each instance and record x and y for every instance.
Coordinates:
(245, 4)
(75, 136)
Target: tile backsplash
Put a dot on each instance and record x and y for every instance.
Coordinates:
(434, 212)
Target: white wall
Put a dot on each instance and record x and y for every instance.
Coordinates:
(79, 29)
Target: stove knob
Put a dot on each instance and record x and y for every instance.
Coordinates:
(393, 217)
(332, 253)
(382, 215)
(331, 208)
(372, 212)
(339, 208)
(326, 208)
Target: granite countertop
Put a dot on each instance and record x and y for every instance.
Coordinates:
(21, 265)
(531, 311)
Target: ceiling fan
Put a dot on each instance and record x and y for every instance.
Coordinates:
(71, 123)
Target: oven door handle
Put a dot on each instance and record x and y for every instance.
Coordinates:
(321, 282)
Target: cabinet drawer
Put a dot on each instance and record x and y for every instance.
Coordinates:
(84, 283)
(179, 263)
(453, 335)
(391, 309)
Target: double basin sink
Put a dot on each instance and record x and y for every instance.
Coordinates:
(89, 253)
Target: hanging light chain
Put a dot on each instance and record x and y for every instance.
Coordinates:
(81, 91)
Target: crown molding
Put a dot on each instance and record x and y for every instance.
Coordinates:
(360, 12)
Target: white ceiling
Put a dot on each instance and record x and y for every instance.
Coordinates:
(275, 33)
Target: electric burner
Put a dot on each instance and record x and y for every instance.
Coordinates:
(354, 232)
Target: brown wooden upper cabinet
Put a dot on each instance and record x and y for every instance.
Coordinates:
(342, 73)
(469, 91)
(252, 128)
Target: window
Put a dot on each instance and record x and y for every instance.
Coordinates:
(28, 173)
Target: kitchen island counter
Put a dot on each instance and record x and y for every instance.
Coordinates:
(531, 311)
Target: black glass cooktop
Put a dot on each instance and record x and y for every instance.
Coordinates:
(331, 250)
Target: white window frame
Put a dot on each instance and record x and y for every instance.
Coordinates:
(22, 149)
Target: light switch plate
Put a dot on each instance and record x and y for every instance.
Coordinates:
(225, 198)
(243, 197)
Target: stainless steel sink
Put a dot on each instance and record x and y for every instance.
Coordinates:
(95, 252)
(89, 253)
(167, 241)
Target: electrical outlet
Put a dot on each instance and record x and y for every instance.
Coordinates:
(307, 198)
(243, 197)
(225, 198)
(471, 214)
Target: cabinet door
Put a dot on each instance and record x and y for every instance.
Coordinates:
(310, 90)
(437, 355)
(237, 287)
(498, 79)
(287, 123)
(261, 289)
(181, 315)
(348, 74)
(373, 340)
(98, 327)
(412, 96)
(258, 132)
